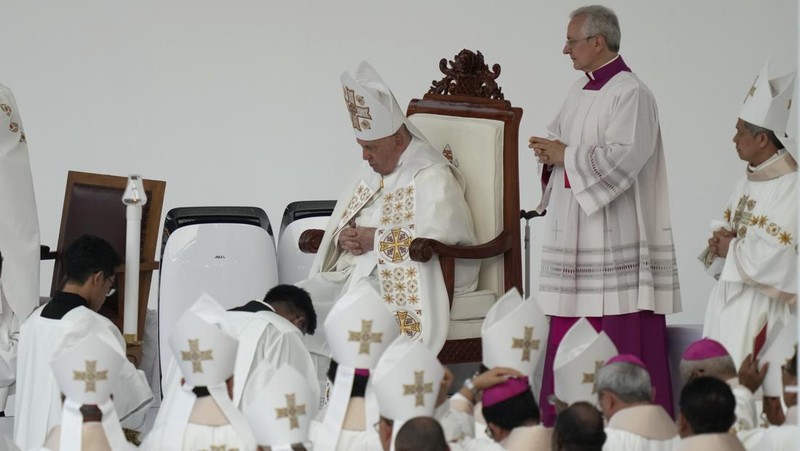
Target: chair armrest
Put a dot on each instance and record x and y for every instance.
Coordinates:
(422, 249)
(310, 240)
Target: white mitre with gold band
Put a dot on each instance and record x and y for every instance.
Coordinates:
(406, 382)
(279, 405)
(580, 354)
(85, 373)
(358, 328)
(514, 334)
(205, 355)
(769, 102)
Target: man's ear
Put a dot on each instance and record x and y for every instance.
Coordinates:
(300, 322)
(98, 278)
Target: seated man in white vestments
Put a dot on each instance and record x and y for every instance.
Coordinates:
(86, 372)
(89, 264)
(706, 357)
(200, 414)
(579, 427)
(273, 330)
(358, 329)
(625, 394)
(421, 434)
(753, 249)
(403, 189)
(407, 382)
(706, 416)
(279, 404)
(19, 238)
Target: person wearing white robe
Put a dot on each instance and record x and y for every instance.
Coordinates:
(625, 396)
(706, 416)
(86, 372)
(273, 330)
(19, 238)
(89, 263)
(608, 252)
(753, 251)
(706, 357)
(403, 189)
(200, 414)
(508, 405)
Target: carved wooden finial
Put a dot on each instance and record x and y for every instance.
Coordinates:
(468, 75)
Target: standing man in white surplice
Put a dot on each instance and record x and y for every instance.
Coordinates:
(608, 253)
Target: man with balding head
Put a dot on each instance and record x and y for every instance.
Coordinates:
(579, 428)
(421, 434)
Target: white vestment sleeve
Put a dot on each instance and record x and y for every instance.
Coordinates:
(599, 173)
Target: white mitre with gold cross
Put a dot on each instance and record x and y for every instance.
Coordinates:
(279, 406)
(768, 103)
(205, 356)
(86, 373)
(373, 110)
(580, 354)
(406, 380)
(359, 328)
(514, 334)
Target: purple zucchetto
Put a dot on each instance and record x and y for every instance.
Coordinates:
(703, 349)
(504, 391)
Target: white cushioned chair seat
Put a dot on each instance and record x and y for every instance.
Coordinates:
(461, 330)
(472, 305)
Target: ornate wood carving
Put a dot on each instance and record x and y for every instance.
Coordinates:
(468, 75)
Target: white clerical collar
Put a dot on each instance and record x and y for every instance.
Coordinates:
(769, 161)
(591, 74)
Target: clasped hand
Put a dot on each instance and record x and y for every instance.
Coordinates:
(719, 242)
(357, 240)
(548, 151)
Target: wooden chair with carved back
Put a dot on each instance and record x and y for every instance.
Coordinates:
(465, 116)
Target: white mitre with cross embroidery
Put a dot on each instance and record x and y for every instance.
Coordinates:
(374, 112)
(85, 373)
(514, 334)
(769, 102)
(358, 328)
(205, 356)
(406, 380)
(581, 353)
(279, 405)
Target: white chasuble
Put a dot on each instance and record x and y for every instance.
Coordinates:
(423, 197)
(608, 239)
(758, 282)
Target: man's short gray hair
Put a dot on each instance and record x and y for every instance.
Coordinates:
(721, 368)
(631, 383)
(600, 21)
(756, 130)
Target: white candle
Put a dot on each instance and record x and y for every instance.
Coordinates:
(134, 197)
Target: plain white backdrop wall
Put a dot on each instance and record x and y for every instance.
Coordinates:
(239, 102)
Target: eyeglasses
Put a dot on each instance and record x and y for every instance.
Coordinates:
(489, 432)
(112, 289)
(573, 42)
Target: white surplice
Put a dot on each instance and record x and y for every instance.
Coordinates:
(773, 438)
(641, 428)
(608, 240)
(38, 399)
(265, 335)
(423, 197)
(19, 236)
(759, 277)
(711, 442)
(746, 411)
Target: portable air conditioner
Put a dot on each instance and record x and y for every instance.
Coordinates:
(293, 264)
(227, 252)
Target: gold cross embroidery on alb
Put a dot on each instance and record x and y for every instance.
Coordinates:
(365, 337)
(91, 376)
(419, 388)
(292, 411)
(395, 245)
(526, 344)
(196, 356)
(408, 325)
